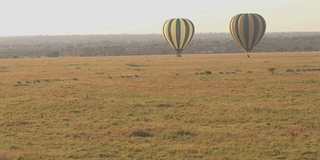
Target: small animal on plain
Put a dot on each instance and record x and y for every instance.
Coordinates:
(207, 72)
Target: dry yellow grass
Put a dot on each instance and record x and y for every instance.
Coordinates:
(161, 107)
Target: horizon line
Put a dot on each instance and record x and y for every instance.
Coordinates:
(45, 35)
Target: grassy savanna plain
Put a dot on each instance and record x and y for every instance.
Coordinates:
(161, 107)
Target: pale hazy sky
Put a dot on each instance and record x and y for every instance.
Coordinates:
(52, 17)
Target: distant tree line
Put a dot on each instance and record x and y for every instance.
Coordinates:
(116, 45)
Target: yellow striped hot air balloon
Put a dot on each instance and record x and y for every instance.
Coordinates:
(247, 29)
(178, 32)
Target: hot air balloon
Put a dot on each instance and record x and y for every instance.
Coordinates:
(247, 29)
(178, 32)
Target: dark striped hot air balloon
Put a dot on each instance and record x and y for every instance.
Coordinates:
(178, 32)
(247, 29)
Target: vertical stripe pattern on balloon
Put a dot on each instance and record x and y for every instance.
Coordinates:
(247, 29)
(178, 32)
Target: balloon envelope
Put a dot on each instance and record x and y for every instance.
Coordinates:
(247, 29)
(178, 32)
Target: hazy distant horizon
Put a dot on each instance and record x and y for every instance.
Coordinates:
(317, 32)
(95, 17)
